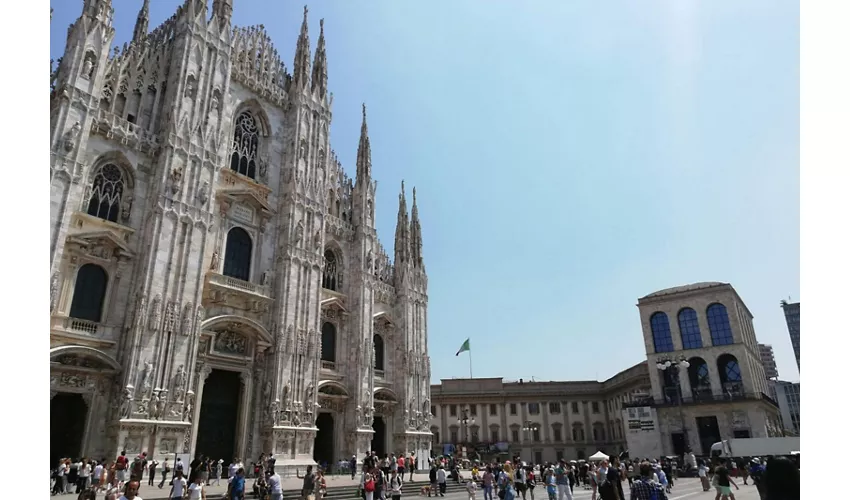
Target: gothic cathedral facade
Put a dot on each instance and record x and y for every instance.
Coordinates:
(217, 282)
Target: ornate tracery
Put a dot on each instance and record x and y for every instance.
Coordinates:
(246, 140)
(107, 189)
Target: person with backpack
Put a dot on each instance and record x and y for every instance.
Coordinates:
(395, 486)
(138, 468)
(644, 488)
(368, 484)
(166, 469)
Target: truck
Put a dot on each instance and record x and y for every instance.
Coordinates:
(755, 447)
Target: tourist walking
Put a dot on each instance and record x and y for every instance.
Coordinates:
(273, 482)
(702, 471)
(487, 480)
(217, 472)
(196, 490)
(441, 480)
(237, 485)
(152, 472)
(309, 484)
(178, 487)
(395, 484)
(724, 483)
(166, 469)
(644, 488)
(131, 491)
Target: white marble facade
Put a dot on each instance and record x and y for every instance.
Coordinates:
(201, 222)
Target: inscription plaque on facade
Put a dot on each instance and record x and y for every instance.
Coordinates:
(242, 213)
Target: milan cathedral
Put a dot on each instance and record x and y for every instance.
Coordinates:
(217, 282)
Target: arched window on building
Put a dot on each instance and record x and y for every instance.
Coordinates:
(237, 254)
(379, 351)
(329, 342)
(246, 142)
(578, 432)
(689, 327)
(699, 378)
(718, 325)
(330, 276)
(661, 336)
(107, 188)
(89, 293)
(730, 375)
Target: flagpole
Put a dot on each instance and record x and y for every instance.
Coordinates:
(470, 362)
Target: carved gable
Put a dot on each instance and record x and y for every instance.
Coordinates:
(99, 245)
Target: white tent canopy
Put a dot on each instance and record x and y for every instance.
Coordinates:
(598, 456)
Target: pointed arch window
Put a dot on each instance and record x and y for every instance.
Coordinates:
(107, 187)
(661, 336)
(689, 327)
(246, 141)
(378, 342)
(329, 342)
(237, 254)
(718, 325)
(89, 293)
(331, 277)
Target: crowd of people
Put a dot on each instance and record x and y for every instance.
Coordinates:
(384, 478)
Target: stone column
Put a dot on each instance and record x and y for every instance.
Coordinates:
(91, 400)
(568, 430)
(202, 379)
(244, 407)
(503, 428)
(684, 381)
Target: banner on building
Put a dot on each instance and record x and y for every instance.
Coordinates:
(640, 419)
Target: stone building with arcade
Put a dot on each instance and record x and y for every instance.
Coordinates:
(217, 283)
(707, 378)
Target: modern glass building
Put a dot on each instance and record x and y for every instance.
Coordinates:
(792, 319)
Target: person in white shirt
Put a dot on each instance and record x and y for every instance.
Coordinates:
(275, 489)
(97, 475)
(178, 487)
(131, 490)
(196, 489)
(217, 473)
(85, 472)
(441, 480)
(470, 489)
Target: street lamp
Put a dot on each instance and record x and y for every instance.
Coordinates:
(464, 421)
(527, 428)
(683, 364)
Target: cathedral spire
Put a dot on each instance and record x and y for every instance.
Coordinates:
(301, 68)
(402, 233)
(415, 235)
(364, 154)
(319, 82)
(223, 11)
(142, 21)
(100, 10)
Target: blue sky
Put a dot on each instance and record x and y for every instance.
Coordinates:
(569, 157)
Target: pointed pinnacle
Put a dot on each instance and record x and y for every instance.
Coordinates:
(322, 27)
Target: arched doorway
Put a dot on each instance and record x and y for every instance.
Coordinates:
(67, 424)
(219, 415)
(323, 447)
(379, 439)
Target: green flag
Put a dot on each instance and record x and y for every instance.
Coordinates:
(464, 347)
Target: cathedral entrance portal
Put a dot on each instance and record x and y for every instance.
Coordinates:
(219, 416)
(379, 439)
(323, 447)
(67, 425)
